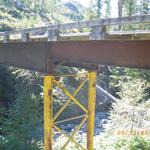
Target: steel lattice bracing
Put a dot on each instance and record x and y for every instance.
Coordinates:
(50, 119)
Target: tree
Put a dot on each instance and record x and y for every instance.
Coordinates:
(22, 128)
(99, 8)
(130, 7)
(74, 11)
(7, 89)
(108, 8)
(95, 9)
(145, 7)
(120, 5)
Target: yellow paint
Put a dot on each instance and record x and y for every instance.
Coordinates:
(69, 100)
(69, 119)
(91, 109)
(69, 137)
(49, 120)
(75, 131)
(48, 112)
(70, 95)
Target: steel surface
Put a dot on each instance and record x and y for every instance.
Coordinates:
(48, 112)
(50, 120)
(38, 56)
(91, 109)
(71, 96)
(69, 100)
(25, 55)
(118, 53)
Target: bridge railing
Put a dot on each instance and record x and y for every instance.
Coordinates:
(97, 28)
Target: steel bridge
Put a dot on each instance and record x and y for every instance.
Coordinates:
(45, 48)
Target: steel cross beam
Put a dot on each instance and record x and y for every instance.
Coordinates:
(39, 56)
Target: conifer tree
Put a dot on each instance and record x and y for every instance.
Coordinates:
(108, 8)
(145, 7)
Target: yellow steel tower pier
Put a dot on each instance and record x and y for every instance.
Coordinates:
(50, 122)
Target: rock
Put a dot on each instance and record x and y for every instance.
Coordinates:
(68, 127)
(56, 135)
(100, 120)
(62, 127)
(97, 131)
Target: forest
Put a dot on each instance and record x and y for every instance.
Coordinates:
(21, 91)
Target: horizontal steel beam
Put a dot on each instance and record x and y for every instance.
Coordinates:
(118, 53)
(25, 55)
(38, 56)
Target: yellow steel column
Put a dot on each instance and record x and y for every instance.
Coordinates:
(48, 112)
(91, 109)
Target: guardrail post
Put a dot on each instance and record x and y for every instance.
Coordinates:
(48, 112)
(25, 37)
(91, 109)
(6, 38)
(98, 33)
(53, 35)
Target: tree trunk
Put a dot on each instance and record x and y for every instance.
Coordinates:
(120, 5)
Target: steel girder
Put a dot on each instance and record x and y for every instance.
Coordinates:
(39, 56)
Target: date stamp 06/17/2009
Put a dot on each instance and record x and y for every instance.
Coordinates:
(133, 132)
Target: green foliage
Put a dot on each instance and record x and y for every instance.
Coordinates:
(7, 20)
(139, 144)
(26, 13)
(131, 7)
(2, 116)
(113, 142)
(129, 94)
(145, 7)
(134, 143)
(7, 81)
(135, 7)
(99, 7)
(108, 8)
(74, 11)
(22, 124)
(129, 113)
(21, 129)
(2, 143)
(95, 10)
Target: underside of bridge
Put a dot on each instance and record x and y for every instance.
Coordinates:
(41, 56)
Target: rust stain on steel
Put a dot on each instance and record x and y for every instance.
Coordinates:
(24, 55)
(119, 53)
(38, 56)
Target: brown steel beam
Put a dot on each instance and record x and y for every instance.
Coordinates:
(25, 55)
(118, 53)
(39, 56)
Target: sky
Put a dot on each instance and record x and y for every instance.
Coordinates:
(114, 12)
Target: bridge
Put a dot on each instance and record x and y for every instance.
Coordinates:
(44, 48)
